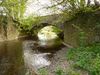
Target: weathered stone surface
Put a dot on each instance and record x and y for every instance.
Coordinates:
(2, 33)
(8, 31)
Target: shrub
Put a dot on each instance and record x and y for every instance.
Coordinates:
(28, 23)
(43, 71)
(87, 58)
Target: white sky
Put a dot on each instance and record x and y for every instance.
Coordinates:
(36, 7)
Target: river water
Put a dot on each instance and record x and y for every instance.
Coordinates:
(11, 58)
(22, 57)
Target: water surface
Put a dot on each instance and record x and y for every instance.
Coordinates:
(22, 57)
(11, 61)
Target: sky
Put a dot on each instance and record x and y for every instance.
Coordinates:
(37, 7)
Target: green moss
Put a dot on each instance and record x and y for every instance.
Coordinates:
(56, 30)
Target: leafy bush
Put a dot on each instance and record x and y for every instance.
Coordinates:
(95, 65)
(72, 72)
(68, 72)
(28, 23)
(87, 58)
(43, 71)
(59, 72)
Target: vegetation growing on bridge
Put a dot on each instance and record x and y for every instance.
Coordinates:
(86, 56)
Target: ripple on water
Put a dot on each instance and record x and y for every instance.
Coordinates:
(34, 60)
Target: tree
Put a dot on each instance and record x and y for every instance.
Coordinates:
(75, 4)
(10, 13)
(14, 8)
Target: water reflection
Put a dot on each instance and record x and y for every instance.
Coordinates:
(11, 61)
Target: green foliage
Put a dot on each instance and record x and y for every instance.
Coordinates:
(28, 24)
(82, 38)
(68, 71)
(73, 8)
(56, 30)
(97, 28)
(43, 71)
(87, 58)
(59, 71)
(14, 8)
(95, 66)
(72, 72)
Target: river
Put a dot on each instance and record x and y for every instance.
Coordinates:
(22, 57)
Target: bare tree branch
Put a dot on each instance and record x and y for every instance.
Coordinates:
(58, 3)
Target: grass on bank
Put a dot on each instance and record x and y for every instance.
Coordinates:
(86, 58)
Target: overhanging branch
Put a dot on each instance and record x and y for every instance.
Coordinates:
(58, 3)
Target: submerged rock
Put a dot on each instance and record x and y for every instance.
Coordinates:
(49, 36)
